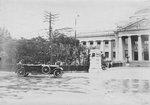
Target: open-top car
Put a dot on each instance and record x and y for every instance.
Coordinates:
(25, 69)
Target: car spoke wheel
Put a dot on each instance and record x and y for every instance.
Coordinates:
(103, 68)
(57, 73)
(21, 72)
(46, 70)
(26, 74)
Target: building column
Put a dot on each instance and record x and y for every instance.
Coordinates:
(94, 44)
(149, 47)
(88, 44)
(102, 46)
(117, 48)
(110, 50)
(129, 48)
(120, 55)
(139, 48)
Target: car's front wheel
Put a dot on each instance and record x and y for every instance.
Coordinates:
(58, 73)
(103, 67)
(21, 72)
(26, 74)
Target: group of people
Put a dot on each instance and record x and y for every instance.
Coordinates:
(104, 62)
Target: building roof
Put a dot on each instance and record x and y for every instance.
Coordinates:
(95, 34)
(128, 26)
(139, 21)
(140, 16)
(142, 12)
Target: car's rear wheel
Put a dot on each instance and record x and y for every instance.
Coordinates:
(103, 67)
(46, 70)
(26, 74)
(21, 72)
(58, 73)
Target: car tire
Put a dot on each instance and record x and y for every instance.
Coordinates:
(21, 72)
(46, 70)
(26, 74)
(58, 73)
(103, 68)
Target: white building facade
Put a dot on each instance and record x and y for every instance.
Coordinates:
(104, 41)
(134, 41)
(130, 42)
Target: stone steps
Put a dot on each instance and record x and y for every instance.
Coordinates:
(139, 64)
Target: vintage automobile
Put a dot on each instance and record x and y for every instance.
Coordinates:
(24, 70)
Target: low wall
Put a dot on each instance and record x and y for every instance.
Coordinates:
(12, 67)
(76, 68)
(119, 64)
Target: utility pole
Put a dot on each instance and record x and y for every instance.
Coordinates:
(75, 31)
(50, 26)
(75, 23)
(50, 18)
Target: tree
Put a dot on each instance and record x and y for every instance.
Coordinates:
(38, 49)
(7, 48)
(71, 50)
(33, 50)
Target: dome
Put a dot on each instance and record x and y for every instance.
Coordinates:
(141, 13)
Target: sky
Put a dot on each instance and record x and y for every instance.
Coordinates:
(24, 18)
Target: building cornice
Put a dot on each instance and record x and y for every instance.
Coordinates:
(125, 28)
(132, 30)
(96, 34)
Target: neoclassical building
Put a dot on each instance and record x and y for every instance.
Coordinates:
(130, 41)
(104, 41)
(133, 41)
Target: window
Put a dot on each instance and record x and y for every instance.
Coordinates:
(145, 46)
(113, 44)
(106, 42)
(114, 54)
(126, 53)
(146, 42)
(126, 41)
(93, 54)
(136, 43)
(84, 43)
(107, 54)
(91, 42)
(98, 42)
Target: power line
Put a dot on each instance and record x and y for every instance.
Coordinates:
(50, 18)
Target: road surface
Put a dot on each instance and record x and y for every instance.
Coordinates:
(115, 86)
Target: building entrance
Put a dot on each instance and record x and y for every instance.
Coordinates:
(146, 55)
(145, 46)
(135, 47)
(135, 55)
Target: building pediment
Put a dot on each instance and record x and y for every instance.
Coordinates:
(143, 24)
